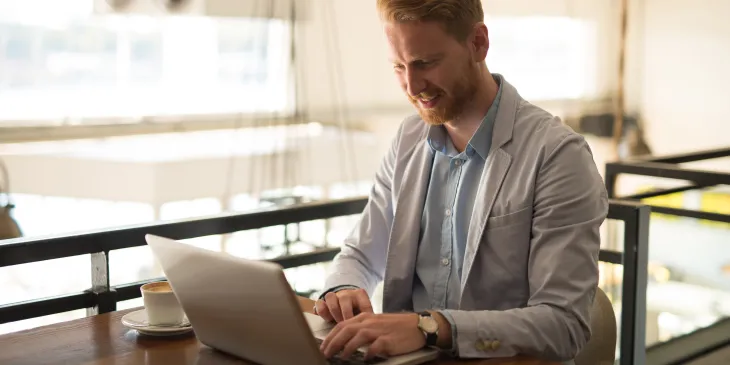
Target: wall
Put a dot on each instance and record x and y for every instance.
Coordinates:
(685, 97)
(342, 58)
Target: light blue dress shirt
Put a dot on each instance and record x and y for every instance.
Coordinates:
(452, 189)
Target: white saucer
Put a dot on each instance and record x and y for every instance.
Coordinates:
(137, 320)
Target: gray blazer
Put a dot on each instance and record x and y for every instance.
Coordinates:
(531, 261)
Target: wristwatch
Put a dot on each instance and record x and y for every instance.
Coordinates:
(429, 326)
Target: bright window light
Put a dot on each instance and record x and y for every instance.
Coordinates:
(68, 65)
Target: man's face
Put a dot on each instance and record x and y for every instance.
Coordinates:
(436, 71)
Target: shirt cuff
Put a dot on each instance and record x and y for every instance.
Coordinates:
(454, 351)
(336, 289)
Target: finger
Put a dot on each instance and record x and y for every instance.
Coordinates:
(363, 337)
(332, 334)
(339, 339)
(377, 348)
(363, 301)
(334, 306)
(346, 306)
(337, 328)
(324, 311)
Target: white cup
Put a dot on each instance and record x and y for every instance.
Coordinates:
(161, 304)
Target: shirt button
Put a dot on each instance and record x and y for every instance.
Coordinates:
(448, 212)
(444, 262)
(458, 162)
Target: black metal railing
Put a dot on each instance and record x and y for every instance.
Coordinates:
(102, 297)
(692, 347)
(668, 167)
(698, 343)
(634, 258)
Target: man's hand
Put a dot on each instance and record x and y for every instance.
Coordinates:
(386, 335)
(343, 305)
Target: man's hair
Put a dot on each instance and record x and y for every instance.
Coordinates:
(457, 16)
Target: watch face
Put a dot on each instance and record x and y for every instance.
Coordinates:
(428, 324)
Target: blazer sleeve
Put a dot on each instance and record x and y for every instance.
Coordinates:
(570, 205)
(361, 262)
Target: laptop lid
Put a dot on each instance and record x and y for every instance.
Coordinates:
(242, 307)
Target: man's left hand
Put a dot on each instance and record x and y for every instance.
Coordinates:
(383, 334)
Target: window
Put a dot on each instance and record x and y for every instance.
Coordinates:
(82, 67)
(545, 57)
(40, 215)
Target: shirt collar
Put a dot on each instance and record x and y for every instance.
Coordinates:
(480, 142)
(437, 138)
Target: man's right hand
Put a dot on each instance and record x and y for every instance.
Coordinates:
(343, 305)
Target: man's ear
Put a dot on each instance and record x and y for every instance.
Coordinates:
(479, 42)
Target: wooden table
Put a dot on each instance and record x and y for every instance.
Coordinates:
(104, 340)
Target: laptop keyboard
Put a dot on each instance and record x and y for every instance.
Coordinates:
(358, 358)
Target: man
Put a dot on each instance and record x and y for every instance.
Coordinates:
(484, 217)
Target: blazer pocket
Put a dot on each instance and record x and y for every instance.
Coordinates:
(523, 215)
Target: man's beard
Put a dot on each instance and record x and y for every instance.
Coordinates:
(450, 107)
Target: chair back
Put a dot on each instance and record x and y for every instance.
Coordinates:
(601, 349)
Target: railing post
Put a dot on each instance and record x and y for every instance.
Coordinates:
(287, 243)
(105, 297)
(612, 232)
(611, 176)
(633, 310)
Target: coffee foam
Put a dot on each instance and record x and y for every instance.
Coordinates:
(160, 287)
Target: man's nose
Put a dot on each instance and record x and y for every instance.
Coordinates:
(414, 84)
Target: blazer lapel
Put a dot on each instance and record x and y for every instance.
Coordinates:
(497, 165)
(405, 232)
(492, 177)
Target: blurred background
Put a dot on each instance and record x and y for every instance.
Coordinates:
(116, 113)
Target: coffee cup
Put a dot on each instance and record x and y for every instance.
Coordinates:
(161, 304)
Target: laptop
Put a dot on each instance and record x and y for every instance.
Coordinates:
(247, 309)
